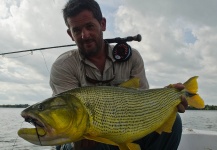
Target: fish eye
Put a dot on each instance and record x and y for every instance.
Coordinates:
(40, 107)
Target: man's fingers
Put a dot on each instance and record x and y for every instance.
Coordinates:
(179, 86)
(183, 105)
(181, 108)
(184, 102)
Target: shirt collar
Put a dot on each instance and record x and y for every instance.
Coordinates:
(109, 54)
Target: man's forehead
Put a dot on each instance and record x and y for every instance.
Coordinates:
(83, 17)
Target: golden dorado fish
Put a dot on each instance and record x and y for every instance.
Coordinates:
(112, 115)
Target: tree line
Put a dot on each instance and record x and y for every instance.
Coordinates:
(207, 107)
(15, 106)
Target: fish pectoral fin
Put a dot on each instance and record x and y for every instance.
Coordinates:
(129, 146)
(133, 146)
(167, 126)
(131, 83)
(100, 139)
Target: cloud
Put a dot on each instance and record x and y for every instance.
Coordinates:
(178, 41)
(175, 43)
(27, 25)
(17, 93)
(198, 12)
(17, 72)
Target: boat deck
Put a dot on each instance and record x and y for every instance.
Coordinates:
(193, 139)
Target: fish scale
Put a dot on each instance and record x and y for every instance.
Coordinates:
(120, 110)
(111, 115)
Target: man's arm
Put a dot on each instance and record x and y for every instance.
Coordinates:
(138, 69)
(62, 79)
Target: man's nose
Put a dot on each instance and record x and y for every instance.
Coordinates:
(85, 34)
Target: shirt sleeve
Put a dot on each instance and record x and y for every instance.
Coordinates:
(62, 78)
(138, 69)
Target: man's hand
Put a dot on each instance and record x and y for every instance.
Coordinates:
(184, 104)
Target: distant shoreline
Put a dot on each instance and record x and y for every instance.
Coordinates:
(15, 106)
(207, 107)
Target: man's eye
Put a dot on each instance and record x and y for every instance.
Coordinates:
(76, 31)
(90, 26)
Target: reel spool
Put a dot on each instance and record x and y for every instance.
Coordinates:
(122, 52)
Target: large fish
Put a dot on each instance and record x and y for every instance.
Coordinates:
(112, 115)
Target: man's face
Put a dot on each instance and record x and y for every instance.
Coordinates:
(86, 31)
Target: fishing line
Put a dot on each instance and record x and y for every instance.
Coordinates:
(17, 136)
(31, 53)
(36, 129)
(33, 90)
(32, 121)
(45, 61)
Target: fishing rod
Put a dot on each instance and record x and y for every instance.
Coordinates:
(138, 38)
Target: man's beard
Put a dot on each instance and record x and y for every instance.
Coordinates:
(91, 52)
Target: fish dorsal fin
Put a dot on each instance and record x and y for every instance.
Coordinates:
(131, 83)
(191, 85)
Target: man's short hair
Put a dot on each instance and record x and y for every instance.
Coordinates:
(74, 7)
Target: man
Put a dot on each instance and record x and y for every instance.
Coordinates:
(93, 65)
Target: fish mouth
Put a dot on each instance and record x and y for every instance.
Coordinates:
(34, 121)
(39, 125)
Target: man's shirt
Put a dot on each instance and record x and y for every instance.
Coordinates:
(71, 70)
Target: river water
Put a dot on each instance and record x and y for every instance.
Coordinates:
(11, 122)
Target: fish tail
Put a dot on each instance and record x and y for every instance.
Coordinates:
(191, 87)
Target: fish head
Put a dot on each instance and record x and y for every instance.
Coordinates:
(57, 121)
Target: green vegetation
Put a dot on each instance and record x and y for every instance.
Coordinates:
(207, 107)
(15, 106)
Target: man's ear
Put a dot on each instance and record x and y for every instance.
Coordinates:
(103, 24)
(70, 34)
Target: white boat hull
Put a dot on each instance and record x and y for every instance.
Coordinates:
(198, 140)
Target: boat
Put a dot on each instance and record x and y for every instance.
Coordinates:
(193, 139)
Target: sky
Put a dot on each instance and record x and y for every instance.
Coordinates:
(178, 42)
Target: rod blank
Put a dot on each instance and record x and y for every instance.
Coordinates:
(138, 38)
